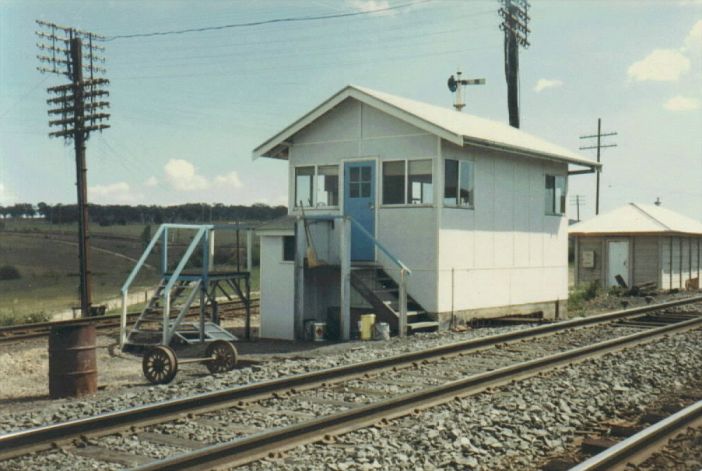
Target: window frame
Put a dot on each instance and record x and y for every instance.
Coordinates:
(406, 189)
(315, 175)
(457, 205)
(551, 211)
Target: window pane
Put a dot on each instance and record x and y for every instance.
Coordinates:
(421, 189)
(365, 189)
(355, 174)
(328, 185)
(560, 195)
(394, 182)
(550, 193)
(289, 248)
(353, 187)
(450, 182)
(303, 185)
(365, 174)
(465, 184)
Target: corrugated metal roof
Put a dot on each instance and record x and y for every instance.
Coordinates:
(454, 126)
(638, 218)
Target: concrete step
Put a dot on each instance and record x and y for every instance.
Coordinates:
(424, 326)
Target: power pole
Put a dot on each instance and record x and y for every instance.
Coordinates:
(515, 19)
(599, 146)
(456, 85)
(577, 200)
(79, 107)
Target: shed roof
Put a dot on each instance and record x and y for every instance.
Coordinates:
(638, 218)
(451, 125)
(283, 224)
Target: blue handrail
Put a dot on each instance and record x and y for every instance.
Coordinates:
(142, 260)
(363, 231)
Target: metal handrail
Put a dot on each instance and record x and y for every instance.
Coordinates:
(370, 236)
(142, 260)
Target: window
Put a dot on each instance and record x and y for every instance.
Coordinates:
(327, 182)
(419, 185)
(458, 183)
(317, 186)
(289, 248)
(394, 182)
(415, 175)
(303, 186)
(555, 195)
(360, 182)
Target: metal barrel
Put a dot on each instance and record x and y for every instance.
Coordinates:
(72, 360)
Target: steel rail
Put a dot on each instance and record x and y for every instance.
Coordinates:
(246, 450)
(24, 441)
(41, 329)
(21, 442)
(640, 446)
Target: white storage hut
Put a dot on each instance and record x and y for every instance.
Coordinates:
(643, 244)
(462, 215)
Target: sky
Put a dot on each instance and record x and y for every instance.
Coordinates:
(188, 109)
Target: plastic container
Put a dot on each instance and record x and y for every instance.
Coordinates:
(381, 331)
(367, 322)
(319, 331)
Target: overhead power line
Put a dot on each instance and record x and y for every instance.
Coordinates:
(293, 19)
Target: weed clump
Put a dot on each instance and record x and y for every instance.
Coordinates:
(9, 272)
(578, 297)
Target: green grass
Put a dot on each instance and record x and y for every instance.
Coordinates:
(46, 256)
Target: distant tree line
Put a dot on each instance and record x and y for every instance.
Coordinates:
(107, 215)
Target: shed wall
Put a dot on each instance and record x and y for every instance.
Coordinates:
(277, 291)
(596, 273)
(506, 251)
(645, 260)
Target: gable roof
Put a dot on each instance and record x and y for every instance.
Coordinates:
(451, 125)
(638, 218)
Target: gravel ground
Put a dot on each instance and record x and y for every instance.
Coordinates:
(516, 426)
(683, 453)
(128, 388)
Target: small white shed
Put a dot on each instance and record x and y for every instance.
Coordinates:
(641, 243)
(469, 212)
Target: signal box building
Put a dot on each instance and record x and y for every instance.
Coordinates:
(644, 244)
(463, 216)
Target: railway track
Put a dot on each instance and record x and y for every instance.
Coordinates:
(227, 310)
(252, 421)
(637, 448)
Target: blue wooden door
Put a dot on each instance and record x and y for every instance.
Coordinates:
(359, 203)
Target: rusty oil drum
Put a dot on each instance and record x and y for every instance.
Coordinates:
(72, 361)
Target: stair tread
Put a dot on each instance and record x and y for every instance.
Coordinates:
(422, 324)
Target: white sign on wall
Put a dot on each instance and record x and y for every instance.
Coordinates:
(587, 259)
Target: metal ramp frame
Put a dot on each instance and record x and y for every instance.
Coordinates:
(163, 320)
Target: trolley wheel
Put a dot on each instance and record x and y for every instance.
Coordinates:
(223, 354)
(160, 364)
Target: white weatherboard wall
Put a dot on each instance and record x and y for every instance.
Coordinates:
(277, 291)
(355, 131)
(506, 251)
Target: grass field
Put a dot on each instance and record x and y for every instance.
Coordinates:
(46, 256)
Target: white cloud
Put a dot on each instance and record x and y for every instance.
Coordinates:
(693, 41)
(151, 182)
(543, 84)
(182, 176)
(682, 103)
(663, 65)
(230, 180)
(368, 6)
(6, 196)
(119, 192)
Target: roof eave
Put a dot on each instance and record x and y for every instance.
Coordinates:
(529, 153)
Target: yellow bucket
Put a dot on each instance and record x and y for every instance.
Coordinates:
(367, 322)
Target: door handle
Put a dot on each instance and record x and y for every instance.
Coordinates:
(371, 206)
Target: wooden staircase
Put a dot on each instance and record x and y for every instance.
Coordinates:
(382, 292)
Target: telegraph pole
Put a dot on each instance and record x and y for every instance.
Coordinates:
(577, 200)
(515, 19)
(599, 146)
(79, 106)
